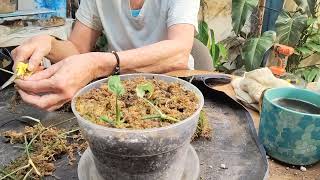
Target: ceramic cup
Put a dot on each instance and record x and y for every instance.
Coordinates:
(290, 136)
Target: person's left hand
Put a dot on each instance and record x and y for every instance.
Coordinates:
(53, 87)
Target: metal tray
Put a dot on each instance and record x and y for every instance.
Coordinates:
(234, 141)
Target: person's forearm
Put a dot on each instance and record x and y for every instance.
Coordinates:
(160, 57)
(61, 49)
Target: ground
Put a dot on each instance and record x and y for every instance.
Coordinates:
(280, 171)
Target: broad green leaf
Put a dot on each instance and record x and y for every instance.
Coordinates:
(214, 50)
(289, 28)
(315, 38)
(203, 35)
(115, 86)
(307, 6)
(304, 51)
(312, 75)
(241, 11)
(254, 50)
(143, 88)
(313, 46)
(223, 51)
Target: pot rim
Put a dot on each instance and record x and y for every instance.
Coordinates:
(290, 89)
(198, 93)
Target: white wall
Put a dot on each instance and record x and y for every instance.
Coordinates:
(218, 16)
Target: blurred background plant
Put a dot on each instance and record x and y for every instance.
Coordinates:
(249, 48)
(300, 29)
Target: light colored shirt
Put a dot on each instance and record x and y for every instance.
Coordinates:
(125, 32)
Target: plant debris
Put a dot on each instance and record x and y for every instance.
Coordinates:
(171, 99)
(42, 146)
(204, 129)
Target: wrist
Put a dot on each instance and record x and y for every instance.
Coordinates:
(104, 64)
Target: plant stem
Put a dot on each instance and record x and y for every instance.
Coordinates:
(117, 112)
(261, 11)
(4, 173)
(13, 172)
(34, 167)
(28, 174)
(28, 154)
(170, 118)
(162, 116)
(152, 105)
(62, 122)
(69, 132)
(6, 71)
(158, 116)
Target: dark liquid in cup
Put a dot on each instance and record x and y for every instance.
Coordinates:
(298, 105)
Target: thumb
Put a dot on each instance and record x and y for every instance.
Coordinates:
(35, 60)
(45, 74)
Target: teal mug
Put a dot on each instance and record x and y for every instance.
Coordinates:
(288, 135)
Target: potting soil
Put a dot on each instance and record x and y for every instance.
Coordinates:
(170, 98)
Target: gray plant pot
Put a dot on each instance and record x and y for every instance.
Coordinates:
(152, 154)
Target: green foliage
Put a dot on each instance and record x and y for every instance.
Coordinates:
(290, 28)
(203, 35)
(115, 86)
(309, 74)
(300, 30)
(254, 50)
(107, 120)
(241, 11)
(217, 50)
(143, 88)
(149, 87)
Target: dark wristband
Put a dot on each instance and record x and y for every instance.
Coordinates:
(116, 70)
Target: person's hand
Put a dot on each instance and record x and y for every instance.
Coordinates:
(32, 51)
(53, 87)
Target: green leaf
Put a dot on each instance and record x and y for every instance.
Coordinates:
(115, 85)
(304, 51)
(289, 28)
(143, 88)
(315, 38)
(203, 35)
(307, 6)
(241, 11)
(313, 46)
(312, 75)
(223, 51)
(254, 50)
(107, 120)
(214, 50)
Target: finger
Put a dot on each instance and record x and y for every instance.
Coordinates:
(42, 102)
(41, 86)
(45, 74)
(35, 60)
(55, 107)
(21, 54)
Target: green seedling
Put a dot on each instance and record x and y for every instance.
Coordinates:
(141, 91)
(115, 86)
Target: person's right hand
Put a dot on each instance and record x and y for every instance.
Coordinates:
(32, 51)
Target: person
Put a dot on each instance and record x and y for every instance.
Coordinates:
(149, 36)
